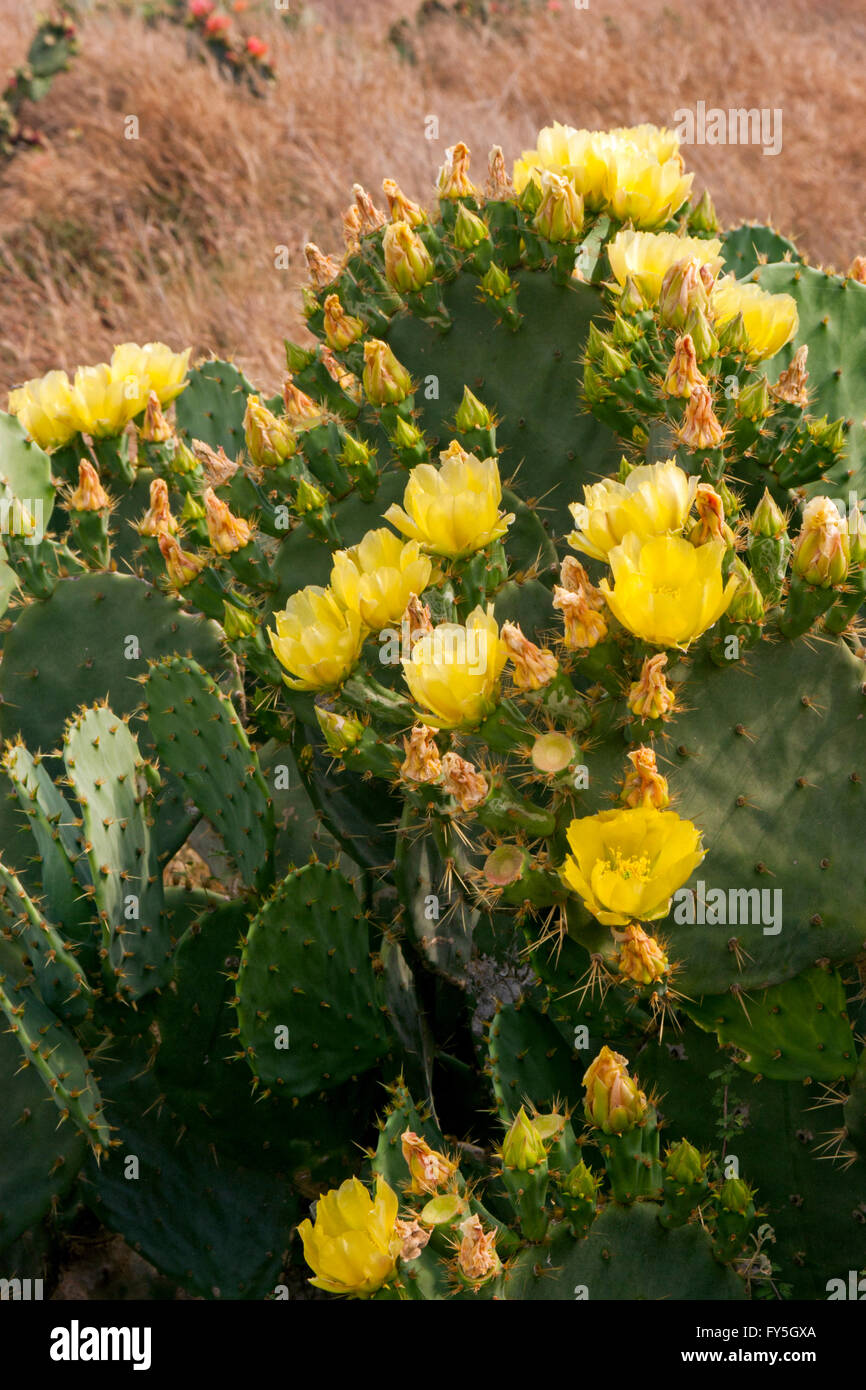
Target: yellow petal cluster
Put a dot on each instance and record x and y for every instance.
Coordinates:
(377, 577)
(317, 640)
(769, 320)
(354, 1243)
(655, 498)
(626, 865)
(452, 510)
(648, 256)
(453, 672)
(666, 591)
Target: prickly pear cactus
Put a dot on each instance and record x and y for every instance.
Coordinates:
(506, 669)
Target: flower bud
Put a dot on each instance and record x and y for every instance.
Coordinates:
(625, 334)
(767, 518)
(158, 518)
(856, 535)
(323, 269)
(644, 785)
(462, 780)
(828, 435)
(386, 381)
(90, 495)
(341, 329)
(682, 288)
(308, 498)
(154, 428)
(703, 215)
(614, 1103)
(496, 282)
(269, 438)
(469, 229)
(534, 667)
(499, 187)
(227, 532)
(182, 567)
(684, 1165)
(614, 362)
(408, 264)
(472, 414)
(341, 733)
(453, 180)
(747, 604)
(401, 208)
(711, 524)
(405, 435)
(581, 1183)
(700, 428)
(700, 330)
(792, 385)
(733, 338)
(640, 957)
(683, 373)
(523, 1147)
(735, 1196)
(822, 549)
(559, 216)
(650, 697)
(302, 412)
(238, 623)
(631, 301)
(371, 218)
(753, 402)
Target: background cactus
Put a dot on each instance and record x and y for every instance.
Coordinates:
(373, 923)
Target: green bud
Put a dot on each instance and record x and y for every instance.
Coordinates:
(523, 1147)
(682, 290)
(767, 518)
(625, 333)
(631, 300)
(472, 414)
(559, 216)
(355, 453)
(237, 622)
(594, 387)
(308, 498)
(595, 341)
(340, 733)
(733, 337)
(496, 282)
(730, 500)
(753, 402)
(614, 362)
(530, 198)
(735, 1196)
(747, 604)
(469, 228)
(703, 215)
(700, 329)
(828, 435)
(405, 435)
(684, 1165)
(183, 459)
(299, 357)
(639, 436)
(626, 467)
(192, 509)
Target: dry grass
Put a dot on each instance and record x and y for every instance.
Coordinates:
(173, 235)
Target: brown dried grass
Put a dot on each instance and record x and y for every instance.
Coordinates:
(173, 235)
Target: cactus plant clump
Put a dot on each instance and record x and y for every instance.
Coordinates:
(507, 668)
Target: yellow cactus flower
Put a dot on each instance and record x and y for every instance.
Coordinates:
(452, 510)
(377, 577)
(770, 320)
(648, 256)
(453, 671)
(585, 157)
(626, 865)
(353, 1246)
(655, 498)
(317, 640)
(614, 1102)
(102, 403)
(638, 189)
(156, 365)
(666, 591)
(43, 406)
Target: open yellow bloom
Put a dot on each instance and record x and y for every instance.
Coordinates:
(160, 369)
(43, 405)
(453, 672)
(667, 591)
(770, 320)
(353, 1246)
(647, 256)
(452, 510)
(585, 156)
(626, 865)
(317, 640)
(377, 577)
(638, 189)
(103, 404)
(655, 498)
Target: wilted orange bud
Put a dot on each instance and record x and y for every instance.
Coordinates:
(401, 208)
(711, 524)
(857, 270)
(158, 519)
(644, 785)
(371, 218)
(462, 780)
(341, 329)
(499, 185)
(573, 576)
(346, 380)
(226, 531)
(792, 385)
(182, 567)
(477, 1259)
(533, 666)
(641, 958)
(218, 467)
(700, 429)
(302, 412)
(323, 269)
(352, 229)
(684, 374)
(454, 180)
(650, 697)
(412, 1236)
(154, 428)
(422, 762)
(90, 495)
(584, 623)
(430, 1169)
(417, 619)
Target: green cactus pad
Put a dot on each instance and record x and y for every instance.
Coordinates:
(529, 1060)
(306, 968)
(25, 471)
(751, 245)
(199, 738)
(213, 405)
(58, 975)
